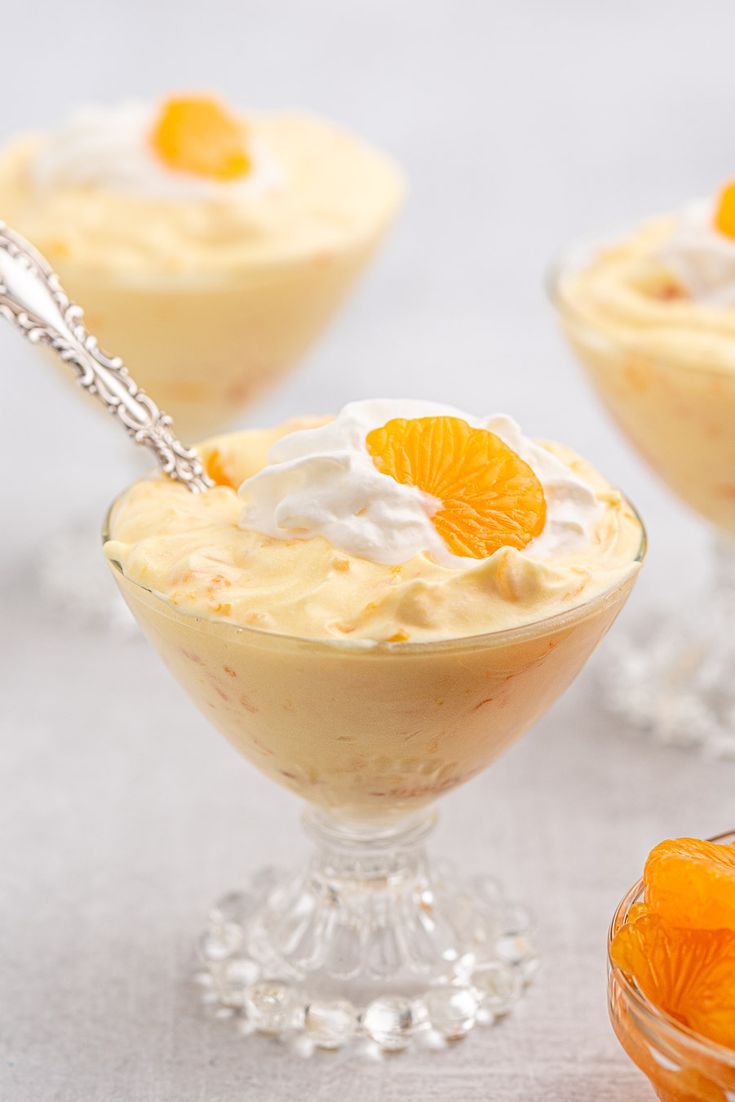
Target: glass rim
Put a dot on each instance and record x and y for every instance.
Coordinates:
(283, 268)
(533, 629)
(657, 1018)
(572, 257)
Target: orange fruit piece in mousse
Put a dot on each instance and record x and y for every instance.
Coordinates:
(691, 883)
(197, 134)
(217, 469)
(490, 497)
(725, 213)
(689, 974)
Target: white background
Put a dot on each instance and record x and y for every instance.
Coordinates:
(521, 125)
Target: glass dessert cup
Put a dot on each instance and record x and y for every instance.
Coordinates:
(370, 941)
(681, 1065)
(676, 676)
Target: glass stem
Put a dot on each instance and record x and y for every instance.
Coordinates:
(724, 571)
(368, 852)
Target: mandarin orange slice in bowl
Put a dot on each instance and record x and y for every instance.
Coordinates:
(488, 496)
(197, 134)
(671, 986)
(668, 1064)
(725, 211)
(218, 470)
(687, 973)
(691, 883)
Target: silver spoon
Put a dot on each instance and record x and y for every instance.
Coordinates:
(35, 303)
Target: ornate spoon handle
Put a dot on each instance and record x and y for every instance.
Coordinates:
(33, 300)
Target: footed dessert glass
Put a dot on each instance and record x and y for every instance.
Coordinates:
(676, 675)
(370, 942)
(209, 248)
(681, 1065)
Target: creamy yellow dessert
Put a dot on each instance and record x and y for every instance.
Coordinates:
(208, 249)
(652, 319)
(372, 607)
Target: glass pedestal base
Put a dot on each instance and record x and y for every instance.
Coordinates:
(370, 947)
(675, 676)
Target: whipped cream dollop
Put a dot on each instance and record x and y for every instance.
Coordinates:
(700, 256)
(109, 146)
(323, 482)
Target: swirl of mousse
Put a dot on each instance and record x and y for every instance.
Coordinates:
(700, 253)
(189, 186)
(326, 529)
(668, 287)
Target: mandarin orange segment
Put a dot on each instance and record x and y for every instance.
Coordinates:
(197, 134)
(678, 1081)
(689, 974)
(490, 497)
(636, 911)
(725, 211)
(216, 468)
(691, 883)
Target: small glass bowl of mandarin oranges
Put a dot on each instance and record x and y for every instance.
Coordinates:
(671, 984)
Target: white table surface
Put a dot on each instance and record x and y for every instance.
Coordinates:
(122, 815)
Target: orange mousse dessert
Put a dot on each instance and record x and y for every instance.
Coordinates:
(209, 248)
(651, 317)
(672, 982)
(372, 607)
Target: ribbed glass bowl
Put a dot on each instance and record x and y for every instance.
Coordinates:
(680, 1065)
